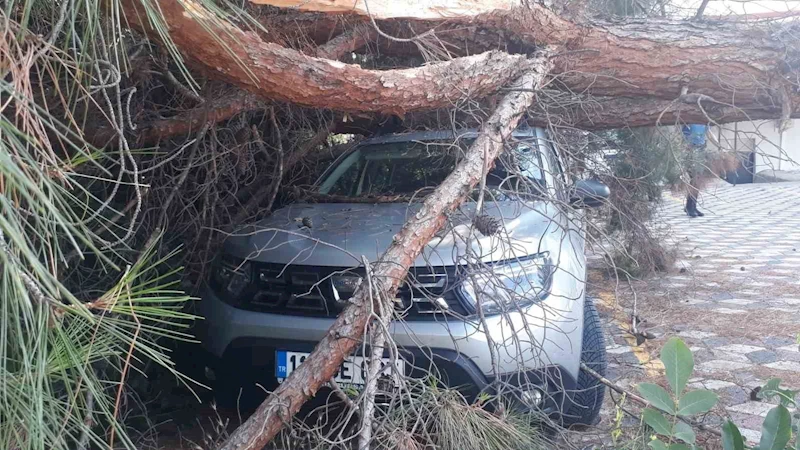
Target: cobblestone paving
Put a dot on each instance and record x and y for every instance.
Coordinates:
(734, 297)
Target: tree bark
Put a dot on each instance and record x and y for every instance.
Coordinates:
(599, 113)
(272, 71)
(746, 66)
(347, 42)
(228, 105)
(389, 271)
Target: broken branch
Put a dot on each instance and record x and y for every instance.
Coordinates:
(286, 163)
(347, 42)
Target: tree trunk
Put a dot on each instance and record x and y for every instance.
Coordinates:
(747, 67)
(389, 9)
(279, 73)
(598, 113)
(735, 64)
(389, 271)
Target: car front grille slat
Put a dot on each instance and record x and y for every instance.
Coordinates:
(309, 291)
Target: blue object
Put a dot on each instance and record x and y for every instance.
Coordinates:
(695, 134)
(280, 367)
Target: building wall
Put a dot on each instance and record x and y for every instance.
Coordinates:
(774, 150)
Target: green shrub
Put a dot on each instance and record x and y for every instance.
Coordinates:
(669, 410)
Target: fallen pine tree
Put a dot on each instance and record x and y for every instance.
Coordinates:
(231, 90)
(603, 75)
(726, 70)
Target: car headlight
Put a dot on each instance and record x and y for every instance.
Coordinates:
(509, 285)
(231, 277)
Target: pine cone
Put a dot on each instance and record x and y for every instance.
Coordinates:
(487, 225)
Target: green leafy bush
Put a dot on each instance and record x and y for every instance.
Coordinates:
(673, 433)
(778, 426)
(670, 410)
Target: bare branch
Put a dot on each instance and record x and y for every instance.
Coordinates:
(347, 42)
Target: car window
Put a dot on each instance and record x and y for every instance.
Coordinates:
(408, 167)
(529, 160)
(345, 177)
(406, 171)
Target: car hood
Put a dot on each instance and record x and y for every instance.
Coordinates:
(340, 234)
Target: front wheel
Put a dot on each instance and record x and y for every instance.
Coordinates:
(584, 409)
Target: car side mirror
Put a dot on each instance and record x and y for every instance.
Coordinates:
(589, 194)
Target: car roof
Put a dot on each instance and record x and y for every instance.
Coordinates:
(437, 135)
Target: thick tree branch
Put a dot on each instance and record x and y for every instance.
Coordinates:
(228, 105)
(272, 71)
(213, 111)
(649, 58)
(635, 61)
(581, 111)
(598, 113)
(348, 329)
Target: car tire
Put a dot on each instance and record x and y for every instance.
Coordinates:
(584, 409)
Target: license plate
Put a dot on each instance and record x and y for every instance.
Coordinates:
(352, 371)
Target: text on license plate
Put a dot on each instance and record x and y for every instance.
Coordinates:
(352, 371)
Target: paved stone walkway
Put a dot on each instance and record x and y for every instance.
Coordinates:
(734, 298)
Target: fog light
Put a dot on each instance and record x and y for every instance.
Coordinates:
(531, 398)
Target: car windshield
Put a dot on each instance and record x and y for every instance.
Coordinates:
(410, 168)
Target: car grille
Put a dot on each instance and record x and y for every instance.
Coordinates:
(309, 291)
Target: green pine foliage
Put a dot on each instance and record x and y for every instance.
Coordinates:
(68, 343)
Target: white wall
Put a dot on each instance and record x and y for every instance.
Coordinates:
(774, 150)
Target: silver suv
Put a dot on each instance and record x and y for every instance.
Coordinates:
(495, 304)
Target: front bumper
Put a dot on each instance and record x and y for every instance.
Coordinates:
(245, 342)
(250, 362)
